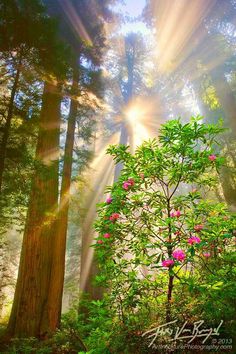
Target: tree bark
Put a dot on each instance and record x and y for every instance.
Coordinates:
(126, 131)
(204, 110)
(30, 313)
(58, 264)
(90, 268)
(169, 297)
(123, 141)
(6, 131)
(228, 103)
(226, 97)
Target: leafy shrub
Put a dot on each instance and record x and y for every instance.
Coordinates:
(164, 251)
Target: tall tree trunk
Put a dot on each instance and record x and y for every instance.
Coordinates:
(124, 141)
(228, 103)
(58, 264)
(227, 179)
(126, 131)
(6, 131)
(87, 257)
(226, 97)
(30, 312)
(89, 268)
(204, 110)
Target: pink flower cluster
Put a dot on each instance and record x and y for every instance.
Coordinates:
(207, 254)
(114, 217)
(212, 157)
(128, 184)
(106, 235)
(109, 200)
(175, 214)
(179, 255)
(194, 239)
(167, 263)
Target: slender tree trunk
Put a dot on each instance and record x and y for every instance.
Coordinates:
(89, 266)
(6, 131)
(58, 264)
(169, 297)
(30, 312)
(87, 257)
(124, 141)
(170, 275)
(126, 131)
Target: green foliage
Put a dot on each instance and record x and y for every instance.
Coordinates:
(158, 204)
(65, 340)
(27, 30)
(158, 207)
(210, 98)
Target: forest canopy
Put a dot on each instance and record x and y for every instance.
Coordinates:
(117, 176)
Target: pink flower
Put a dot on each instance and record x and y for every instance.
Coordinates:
(212, 157)
(109, 200)
(207, 254)
(194, 239)
(127, 184)
(167, 263)
(114, 216)
(179, 255)
(106, 235)
(100, 242)
(175, 213)
(131, 181)
(141, 175)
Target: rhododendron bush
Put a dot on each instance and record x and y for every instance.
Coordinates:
(164, 243)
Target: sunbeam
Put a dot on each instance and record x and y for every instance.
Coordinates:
(75, 21)
(138, 238)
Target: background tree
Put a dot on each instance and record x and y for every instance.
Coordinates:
(87, 52)
(125, 84)
(44, 214)
(209, 48)
(22, 46)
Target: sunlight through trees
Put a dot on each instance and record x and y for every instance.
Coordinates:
(117, 175)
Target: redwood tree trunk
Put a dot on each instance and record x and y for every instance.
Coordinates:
(30, 312)
(6, 131)
(228, 103)
(58, 264)
(226, 97)
(89, 267)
